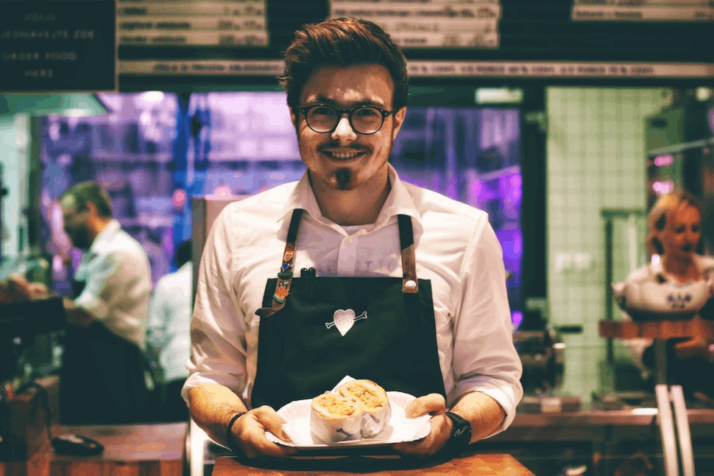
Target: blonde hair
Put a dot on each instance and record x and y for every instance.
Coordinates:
(657, 218)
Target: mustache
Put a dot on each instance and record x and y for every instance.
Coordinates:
(337, 145)
(687, 248)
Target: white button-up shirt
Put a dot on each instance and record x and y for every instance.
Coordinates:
(456, 249)
(649, 274)
(118, 283)
(169, 321)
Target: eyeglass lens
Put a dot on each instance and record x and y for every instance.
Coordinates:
(364, 119)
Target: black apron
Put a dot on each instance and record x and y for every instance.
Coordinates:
(102, 378)
(390, 329)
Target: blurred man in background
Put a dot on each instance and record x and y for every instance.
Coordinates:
(103, 368)
(168, 333)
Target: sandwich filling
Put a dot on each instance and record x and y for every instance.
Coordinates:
(334, 406)
(368, 397)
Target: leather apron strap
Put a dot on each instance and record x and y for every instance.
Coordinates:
(285, 275)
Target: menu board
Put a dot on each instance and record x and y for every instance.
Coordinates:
(429, 23)
(643, 10)
(224, 43)
(192, 23)
(52, 46)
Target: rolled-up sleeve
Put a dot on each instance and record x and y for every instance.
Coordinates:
(218, 349)
(485, 359)
(157, 319)
(116, 275)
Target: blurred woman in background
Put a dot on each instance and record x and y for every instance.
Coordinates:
(675, 224)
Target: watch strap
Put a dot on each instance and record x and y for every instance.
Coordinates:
(229, 433)
(460, 435)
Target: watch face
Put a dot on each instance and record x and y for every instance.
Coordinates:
(461, 436)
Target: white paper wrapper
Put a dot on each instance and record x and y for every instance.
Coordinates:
(399, 428)
(372, 422)
(332, 431)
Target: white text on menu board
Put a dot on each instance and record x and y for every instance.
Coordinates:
(429, 23)
(188, 23)
(439, 69)
(643, 10)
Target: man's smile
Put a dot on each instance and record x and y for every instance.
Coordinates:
(343, 154)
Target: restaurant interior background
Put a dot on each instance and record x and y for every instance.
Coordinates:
(567, 164)
(596, 160)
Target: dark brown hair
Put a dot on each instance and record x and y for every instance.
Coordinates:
(90, 192)
(665, 205)
(342, 42)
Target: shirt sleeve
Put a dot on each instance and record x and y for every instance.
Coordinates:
(157, 319)
(485, 359)
(115, 277)
(218, 349)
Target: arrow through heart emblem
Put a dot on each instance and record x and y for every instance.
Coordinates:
(344, 320)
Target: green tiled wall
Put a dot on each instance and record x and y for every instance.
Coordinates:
(596, 160)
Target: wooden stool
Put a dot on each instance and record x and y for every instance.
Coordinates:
(669, 397)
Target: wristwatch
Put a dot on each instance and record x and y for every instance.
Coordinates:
(229, 433)
(460, 435)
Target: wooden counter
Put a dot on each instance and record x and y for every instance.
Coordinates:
(657, 329)
(129, 450)
(472, 465)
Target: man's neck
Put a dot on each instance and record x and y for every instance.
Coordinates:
(360, 206)
(96, 226)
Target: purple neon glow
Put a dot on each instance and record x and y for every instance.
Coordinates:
(663, 160)
(662, 188)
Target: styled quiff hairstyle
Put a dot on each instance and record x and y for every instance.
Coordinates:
(342, 42)
(666, 204)
(90, 192)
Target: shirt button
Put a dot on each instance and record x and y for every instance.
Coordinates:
(348, 242)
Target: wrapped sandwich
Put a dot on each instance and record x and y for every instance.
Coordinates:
(372, 401)
(334, 418)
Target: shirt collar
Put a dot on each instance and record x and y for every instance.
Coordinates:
(399, 201)
(110, 228)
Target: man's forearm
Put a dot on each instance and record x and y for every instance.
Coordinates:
(212, 406)
(483, 412)
(76, 314)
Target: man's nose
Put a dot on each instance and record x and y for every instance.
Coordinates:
(344, 131)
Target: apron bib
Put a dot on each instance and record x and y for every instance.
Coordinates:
(316, 330)
(102, 376)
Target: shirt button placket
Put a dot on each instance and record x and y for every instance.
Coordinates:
(347, 257)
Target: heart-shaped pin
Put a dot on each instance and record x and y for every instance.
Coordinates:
(344, 320)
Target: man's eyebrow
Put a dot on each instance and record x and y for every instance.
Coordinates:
(326, 100)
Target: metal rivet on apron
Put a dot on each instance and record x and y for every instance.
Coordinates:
(410, 284)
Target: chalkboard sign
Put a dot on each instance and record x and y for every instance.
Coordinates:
(59, 45)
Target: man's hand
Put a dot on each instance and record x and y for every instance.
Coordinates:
(76, 315)
(248, 434)
(441, 426)
(18, 286)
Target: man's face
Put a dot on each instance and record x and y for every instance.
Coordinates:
(681, 233)
(344, 159)
(75, 223)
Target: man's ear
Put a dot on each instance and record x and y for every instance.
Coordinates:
(398, 121)
(92, 208)
(293, 117)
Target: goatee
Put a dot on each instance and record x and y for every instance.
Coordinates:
(341, 179)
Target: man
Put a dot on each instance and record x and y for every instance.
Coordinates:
(167, 331)
(419, 276)
(102, 379)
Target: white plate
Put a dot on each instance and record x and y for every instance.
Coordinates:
(399, 429)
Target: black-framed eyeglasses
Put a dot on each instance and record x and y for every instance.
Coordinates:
(364, 120)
